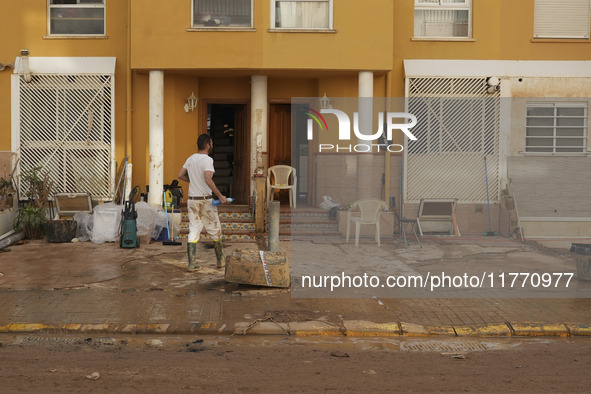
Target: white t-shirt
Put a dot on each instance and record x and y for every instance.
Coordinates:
(196, 166)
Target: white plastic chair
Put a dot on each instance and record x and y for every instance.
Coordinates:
(281, 175)
(370, 214)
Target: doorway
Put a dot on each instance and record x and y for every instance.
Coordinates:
(288, 144)
(228, 127)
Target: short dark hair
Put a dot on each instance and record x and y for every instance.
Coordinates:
(203, 140)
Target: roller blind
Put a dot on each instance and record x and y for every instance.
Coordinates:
(562, 18)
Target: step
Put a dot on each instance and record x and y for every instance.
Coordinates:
(220, 148)
(222, 172)
(221, 139)
(310, 235)
(318, 227)
(228, 226)
(221, 156)
(225, 237)
(222, 180)
(225, 216)
(221, 165)
(306, 220)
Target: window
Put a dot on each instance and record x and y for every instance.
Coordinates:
(562, 19)
(443, 18)
(301, 14)
(556, 127)
(76, 17)
(222, 13)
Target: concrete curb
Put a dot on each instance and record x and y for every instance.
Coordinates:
(351, 328)
(483, 330)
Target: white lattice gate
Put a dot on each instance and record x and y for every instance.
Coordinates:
(66, 127)
(458, 126)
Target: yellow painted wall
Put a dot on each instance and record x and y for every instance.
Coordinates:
(24, 26)
(181, 128)
(376, 38)
(517, 30)
(502, 30)
(363, 40)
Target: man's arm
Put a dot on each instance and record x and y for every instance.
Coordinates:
(213, 187)
(183, 175)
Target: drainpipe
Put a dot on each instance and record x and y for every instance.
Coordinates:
(387, 152)
(129, 102)
(26, 68)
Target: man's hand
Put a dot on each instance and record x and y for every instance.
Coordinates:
(183, 175)
(223, 200)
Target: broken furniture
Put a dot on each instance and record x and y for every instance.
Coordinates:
(278, 178)
(437, 216)
(370, 210)
(258, 268)
(62, 228)
(413, 224)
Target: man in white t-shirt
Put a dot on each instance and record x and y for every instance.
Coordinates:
(198, 171)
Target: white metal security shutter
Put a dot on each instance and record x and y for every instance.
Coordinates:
(66, 128)
(562, 19)
(458, 126)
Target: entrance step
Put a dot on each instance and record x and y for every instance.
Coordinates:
(238, 223)
(229, 149)
(221, 157)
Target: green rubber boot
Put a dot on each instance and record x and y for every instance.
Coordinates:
(192, 253)
(219, 254)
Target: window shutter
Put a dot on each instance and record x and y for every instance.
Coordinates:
(562, 19)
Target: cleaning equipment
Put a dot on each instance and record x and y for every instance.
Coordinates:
(167, 200)
(176, 193)
(128, 228)
(217, 202)
(489, 232)
(171, 240)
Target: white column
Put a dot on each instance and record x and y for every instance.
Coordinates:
(365, 174)
(156, 150)
(258, 124)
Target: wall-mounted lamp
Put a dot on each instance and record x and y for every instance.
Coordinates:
(191, 102)
(325, 102)
(493, 85)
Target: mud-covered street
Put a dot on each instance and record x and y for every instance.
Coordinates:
(152, 364)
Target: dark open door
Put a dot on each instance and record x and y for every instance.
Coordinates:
(227, 123)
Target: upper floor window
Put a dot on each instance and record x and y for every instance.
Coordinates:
(77, 17)
(301, 14)
(556, 127)
(443, 18)
(222, 13)
(562, 19)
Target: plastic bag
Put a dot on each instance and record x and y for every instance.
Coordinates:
(159, 223)
(107, 220)
(146, 216)
(85, 222)
(328, 203)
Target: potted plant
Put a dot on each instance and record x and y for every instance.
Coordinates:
(31, 220)
(6, 193)
(31, 216)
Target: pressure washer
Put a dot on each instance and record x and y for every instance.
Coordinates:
(128, 228)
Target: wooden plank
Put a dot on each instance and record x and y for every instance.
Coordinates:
(69, 204)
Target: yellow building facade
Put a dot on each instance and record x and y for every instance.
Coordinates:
(244, 61)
